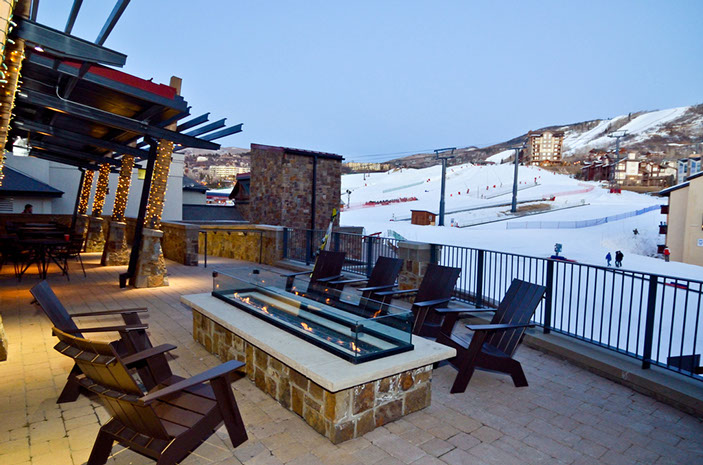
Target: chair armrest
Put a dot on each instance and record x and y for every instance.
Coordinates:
(429, 303)
(375, 288)
(349, 281)
(397, 292)
(498, 327)
(464, 310)
(107, 329)
(329, 278)
(291, 275)
(216, 372)
(144, 354)
(112, 312)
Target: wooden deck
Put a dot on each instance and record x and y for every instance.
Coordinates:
(567, 415)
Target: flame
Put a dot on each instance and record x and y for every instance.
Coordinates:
(354, 347)
(306, 327)
(327, 300)
(377, 313)
(265, 309)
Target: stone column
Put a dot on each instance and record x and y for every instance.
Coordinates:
(416, 256)
(151, 266)
(116, 251)
(96, 235)
(3, 342)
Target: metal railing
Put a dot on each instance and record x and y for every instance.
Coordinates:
(651, 317)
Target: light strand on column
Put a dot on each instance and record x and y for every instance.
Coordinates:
(157, 193)
(101, 189)
(123, 183)
(85, 192)
(11, 56)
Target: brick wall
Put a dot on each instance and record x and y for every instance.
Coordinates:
(281, 186)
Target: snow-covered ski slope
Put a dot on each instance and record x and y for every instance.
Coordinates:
(467, 184)
(638, 129)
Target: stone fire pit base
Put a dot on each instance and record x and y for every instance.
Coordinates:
(333, 407)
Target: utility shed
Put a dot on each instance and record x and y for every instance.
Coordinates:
(423, 217)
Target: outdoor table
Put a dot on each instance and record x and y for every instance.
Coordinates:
(42, 255)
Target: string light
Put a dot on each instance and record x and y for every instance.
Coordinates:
(11, 55)
(123, 184)
(157, 192)
(101, 189)
(85, 192)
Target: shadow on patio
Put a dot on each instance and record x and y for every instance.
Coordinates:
(566, 415)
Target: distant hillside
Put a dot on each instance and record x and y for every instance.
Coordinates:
(672, 133)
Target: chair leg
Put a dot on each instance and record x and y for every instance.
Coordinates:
(72, 389)
(80, 260)
(515, 371)
(467, 364)
(230, 412)
(101, 448)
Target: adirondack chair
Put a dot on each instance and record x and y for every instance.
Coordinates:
(435, 291)
(328, 267)
(383, 278)
(133, 337)
(492, 345)
(167, 422)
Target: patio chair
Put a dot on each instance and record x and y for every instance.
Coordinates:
(491, 347)
(383, 278)
(167, 422)
(133, 337)
(72, 250)
(328, 267)
(435, 291)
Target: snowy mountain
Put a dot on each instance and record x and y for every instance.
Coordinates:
(671, 133)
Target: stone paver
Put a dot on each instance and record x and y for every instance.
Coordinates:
(566, 415)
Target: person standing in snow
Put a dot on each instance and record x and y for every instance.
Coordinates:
(667, 254)
(608, 258)
(618, 258)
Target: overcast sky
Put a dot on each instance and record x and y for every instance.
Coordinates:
(372, 79)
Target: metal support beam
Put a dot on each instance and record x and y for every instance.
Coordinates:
(223, 133)
(72, 16)
(207, 128)
(79, 138)
(78, 201)
(115, 15)
(66, 46)
(34, 10)
(139, 227)
(194, 122)
(110, 119)
(60, 150)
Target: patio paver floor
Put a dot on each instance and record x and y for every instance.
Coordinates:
(567, 414)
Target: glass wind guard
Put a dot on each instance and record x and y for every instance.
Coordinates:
(340, 321)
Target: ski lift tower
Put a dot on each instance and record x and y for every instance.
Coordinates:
(617, 135)
(444, 178)
(513, 208)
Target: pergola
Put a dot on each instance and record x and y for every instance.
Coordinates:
(62, 99)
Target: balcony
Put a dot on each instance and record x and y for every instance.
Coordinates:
(663, 228)
(566, 415)
(664, 209)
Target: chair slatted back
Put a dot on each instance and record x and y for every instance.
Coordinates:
(438, 283)
(328, 264)
(108, 377)
(517, 307)
(53, 308)
(385, 271)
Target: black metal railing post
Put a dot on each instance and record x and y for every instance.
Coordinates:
(649, 321)
(285, 243)
(205, 250)
(479, 277)
(369, 255)
(433, 254)
(308, 246)
(548, 297)
(335, 241)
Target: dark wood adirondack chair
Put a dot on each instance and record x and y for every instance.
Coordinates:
(328, 267)
(383, 278)
(165, 424)
(492, 346)
(133, 336)
(435, 291)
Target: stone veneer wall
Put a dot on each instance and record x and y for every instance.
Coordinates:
(244, 242)
(180, 242)
(340, 416)
(281, 187)
(416, 256)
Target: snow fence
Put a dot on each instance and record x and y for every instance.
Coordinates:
(577, 224)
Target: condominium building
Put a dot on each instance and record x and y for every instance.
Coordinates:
(545, 148)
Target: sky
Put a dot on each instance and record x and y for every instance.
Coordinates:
(374, 80)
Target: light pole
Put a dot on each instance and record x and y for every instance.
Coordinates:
(617, 135)
(444, 175)
(513, 208)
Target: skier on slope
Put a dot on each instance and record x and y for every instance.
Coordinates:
(618, 258)
(608, 258)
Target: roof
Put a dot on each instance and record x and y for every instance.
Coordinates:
(19, 184)
(669, 190)
(301, 152)
(190, 184)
